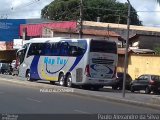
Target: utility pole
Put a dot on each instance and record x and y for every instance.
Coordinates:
(126, 51)
(108, 32)
(81, 20)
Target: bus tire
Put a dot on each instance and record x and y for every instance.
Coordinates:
(28, 76)
(96, 88)
(86, 87)
(52, 82)
(61, 79)
(69, 81)
(132, 89)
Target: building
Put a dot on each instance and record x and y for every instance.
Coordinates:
(87, 33)
(139, 64)
(9, 30)
(140, 61)
(28, 31)
(142, 41)
(121, 29)
(140, 36)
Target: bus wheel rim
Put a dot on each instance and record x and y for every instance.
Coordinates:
(28, 76)
(69, 81)
(61, 81)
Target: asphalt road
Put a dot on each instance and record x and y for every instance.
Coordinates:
(20, 99)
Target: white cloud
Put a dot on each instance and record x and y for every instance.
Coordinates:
(145, 9)
(15, 3)
(22, 9)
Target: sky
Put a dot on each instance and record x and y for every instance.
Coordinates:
(148, 10)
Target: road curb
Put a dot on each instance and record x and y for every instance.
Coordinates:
(76, 92)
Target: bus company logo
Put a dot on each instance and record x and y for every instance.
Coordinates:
(58, 61)
(102, 68)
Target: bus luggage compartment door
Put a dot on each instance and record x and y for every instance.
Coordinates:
(79, 75)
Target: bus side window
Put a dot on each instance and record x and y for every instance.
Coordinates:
(31, 50)
(56, 49)
(35, 49)
(53, 49)
(64, 49)
(73, 51)
(47, 49)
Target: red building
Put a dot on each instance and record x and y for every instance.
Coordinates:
(28, 31)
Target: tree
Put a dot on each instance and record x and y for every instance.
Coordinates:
(108, 11)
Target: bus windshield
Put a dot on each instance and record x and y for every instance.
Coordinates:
(21, 54)
(103, 46)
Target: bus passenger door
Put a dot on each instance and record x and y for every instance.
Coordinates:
(20, 57)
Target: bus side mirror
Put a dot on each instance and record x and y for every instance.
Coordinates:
(19, 53)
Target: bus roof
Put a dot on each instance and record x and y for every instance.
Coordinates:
(42, 40)
(57, 39)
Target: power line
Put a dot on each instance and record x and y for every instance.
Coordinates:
(25, 5)
(12, 9)
(21, 6)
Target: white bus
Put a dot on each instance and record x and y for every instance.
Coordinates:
(85, 62)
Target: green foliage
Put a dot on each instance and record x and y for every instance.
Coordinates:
(108, 11)
(157, 49)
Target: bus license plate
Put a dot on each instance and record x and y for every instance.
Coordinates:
(101, 80)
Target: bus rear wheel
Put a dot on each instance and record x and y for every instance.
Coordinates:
(69, 81)
(61, 80)
(96, 88)
(52, 82)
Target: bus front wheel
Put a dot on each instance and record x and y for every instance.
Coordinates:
(28, 76)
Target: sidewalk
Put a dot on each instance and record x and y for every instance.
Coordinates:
(139, 99)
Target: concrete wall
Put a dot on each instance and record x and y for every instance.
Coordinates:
(143, 64)
(120, 63)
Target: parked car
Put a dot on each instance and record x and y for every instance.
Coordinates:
(146, 82)
(5, 68)
(119, 81)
